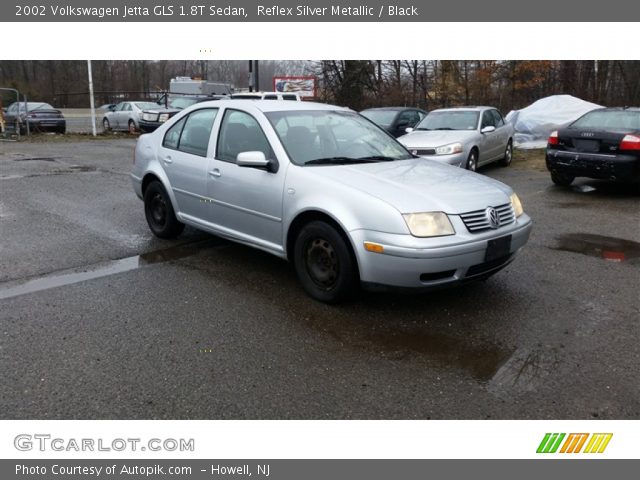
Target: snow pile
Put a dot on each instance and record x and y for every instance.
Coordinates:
(534, 123)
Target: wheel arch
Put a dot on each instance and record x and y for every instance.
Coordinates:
(305, 217)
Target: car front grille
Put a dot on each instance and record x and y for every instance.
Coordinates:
(423, 151)
(477, 220)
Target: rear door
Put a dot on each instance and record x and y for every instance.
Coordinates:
(183, 155)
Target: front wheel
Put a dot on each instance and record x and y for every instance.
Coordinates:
(472, 161)
(105, 124)
(159, 212)
(132, 127)
(324, 263)
(508, 155)
(561, 179)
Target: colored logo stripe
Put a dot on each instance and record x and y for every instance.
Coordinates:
(575, 441)
(550, 443)
(598, 442)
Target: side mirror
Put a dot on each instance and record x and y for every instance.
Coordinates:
(252, 159)
(408, 130)
(488, 129)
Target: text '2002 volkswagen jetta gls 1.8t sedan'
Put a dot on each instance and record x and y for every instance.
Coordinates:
(327, 189)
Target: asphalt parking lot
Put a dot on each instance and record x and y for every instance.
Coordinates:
(100, 320)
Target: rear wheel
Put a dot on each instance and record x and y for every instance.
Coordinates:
(561, 179)
(508, 155)
(159, 212)
(324, 263)
(472, 160)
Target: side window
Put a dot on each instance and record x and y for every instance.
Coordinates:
(407, 118)
(270, 97)
(487, 119)
(289, 97)
(240, 132)
(127, 107)
(499, 122)
(172, 137)
(192, 133)
(119, 107)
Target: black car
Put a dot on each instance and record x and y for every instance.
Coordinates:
(150, 119)
(395, 120)
(40, 116)
(603, 144)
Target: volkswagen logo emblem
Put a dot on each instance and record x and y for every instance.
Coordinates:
(492, 217)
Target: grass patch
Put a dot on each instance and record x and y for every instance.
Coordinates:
(532, 159)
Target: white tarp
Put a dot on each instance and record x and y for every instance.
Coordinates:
(534, 123)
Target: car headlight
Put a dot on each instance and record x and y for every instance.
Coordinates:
(150, 117)
(516, 204)
(449, 149)
(164, 117)
(429, 224)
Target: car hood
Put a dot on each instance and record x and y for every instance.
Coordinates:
(434, 138)
(161, 110)
(420, 185)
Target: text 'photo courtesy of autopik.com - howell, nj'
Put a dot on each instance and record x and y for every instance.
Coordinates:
(324, 240)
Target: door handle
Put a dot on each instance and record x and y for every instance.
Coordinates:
(215, 173)
(167, 159)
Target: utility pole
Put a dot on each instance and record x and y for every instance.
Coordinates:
(93, 106)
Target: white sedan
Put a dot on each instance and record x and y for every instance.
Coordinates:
(125, 116)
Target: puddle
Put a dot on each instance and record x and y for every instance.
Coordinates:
(72, 276)
(607, 248)
(583, 188)
(40, 159)
(481, 361)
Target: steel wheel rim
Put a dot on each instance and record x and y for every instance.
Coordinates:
(158, 209)
(471, 163)
(321, 263)
(132, 128)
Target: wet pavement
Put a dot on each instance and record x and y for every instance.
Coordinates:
(99, 319)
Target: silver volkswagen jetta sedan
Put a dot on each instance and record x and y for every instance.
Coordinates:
(325, 188)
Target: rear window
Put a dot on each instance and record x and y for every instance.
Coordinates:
(609, 119)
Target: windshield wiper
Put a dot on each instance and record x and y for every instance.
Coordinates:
(443, 128)
(345, 160)
(378, 158)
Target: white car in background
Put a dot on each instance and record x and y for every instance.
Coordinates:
(125, 116)
(466, 137)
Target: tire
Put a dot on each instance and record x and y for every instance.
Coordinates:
(324, 263)
(62, 130)
(159, 212)
(472, 160)
(132, 127)
(508, 155)
(561, 179)
(105, 125)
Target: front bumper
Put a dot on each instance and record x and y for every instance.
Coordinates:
(147, 126)
(456, 159)
(428, 263)
(624, 167)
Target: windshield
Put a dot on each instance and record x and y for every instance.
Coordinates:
(182, 102)
(316, 137)
(381, 117)
(450, 120)
(611, 119)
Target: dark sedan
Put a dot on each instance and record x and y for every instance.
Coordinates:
(395, 120)
(41, 117)
(603, 144)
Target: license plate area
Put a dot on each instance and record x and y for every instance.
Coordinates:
(498, 248)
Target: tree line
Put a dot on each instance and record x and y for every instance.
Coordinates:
(357, 84)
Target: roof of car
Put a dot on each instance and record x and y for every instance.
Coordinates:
(470, 108)
(391, 108)
(618, 109)
(273, 105)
